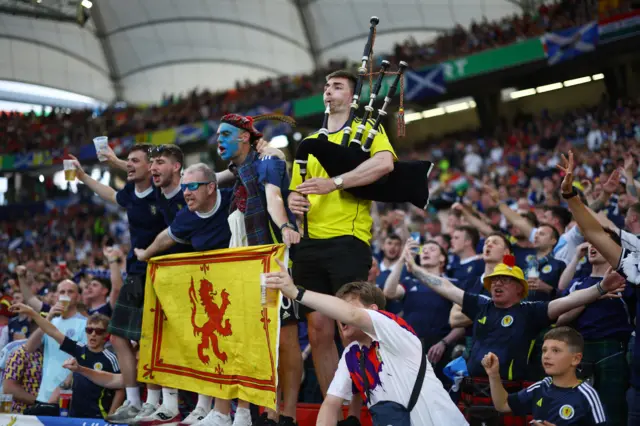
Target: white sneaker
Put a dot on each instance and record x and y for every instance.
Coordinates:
(125, 414)
(162, 416)
(196, 415)
(215, 419)
(145, 412)
(242, 417)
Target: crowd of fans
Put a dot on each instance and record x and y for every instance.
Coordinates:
(27, 132)
(502, 197)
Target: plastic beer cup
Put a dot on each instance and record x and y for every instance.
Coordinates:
(69, 170)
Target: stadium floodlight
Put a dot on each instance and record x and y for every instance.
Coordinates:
(576, 81)
(87, 4)
(522, 93)
(435, 112)
(597, 76)
(549, 87)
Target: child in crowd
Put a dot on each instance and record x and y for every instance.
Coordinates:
(88, 399)
(560, 399)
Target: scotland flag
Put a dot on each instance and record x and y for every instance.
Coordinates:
(423, 84)
(567, 44)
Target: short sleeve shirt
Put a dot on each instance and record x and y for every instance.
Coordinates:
(339, 213)
(25, 369)
(508, 333)
(577, 406)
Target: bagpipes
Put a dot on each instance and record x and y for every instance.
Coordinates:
(408, 182)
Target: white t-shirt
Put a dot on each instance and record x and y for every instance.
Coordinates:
(393, 362)
(52, 371)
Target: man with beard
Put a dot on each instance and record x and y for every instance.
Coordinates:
(145, 223)
(202, 225)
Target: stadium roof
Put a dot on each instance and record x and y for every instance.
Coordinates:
(137, 50)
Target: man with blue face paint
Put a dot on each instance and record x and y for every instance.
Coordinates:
(258, 216)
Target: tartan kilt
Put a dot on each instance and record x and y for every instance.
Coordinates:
(126, 321)
(608, 361)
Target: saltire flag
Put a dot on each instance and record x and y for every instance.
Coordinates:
(423, 84)
(568, 44)
(204, 327)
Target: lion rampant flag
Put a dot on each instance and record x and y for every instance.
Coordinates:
(204, 327)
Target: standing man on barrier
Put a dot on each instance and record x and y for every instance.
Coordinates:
(145, 223)
(339, 224)
(258, 216)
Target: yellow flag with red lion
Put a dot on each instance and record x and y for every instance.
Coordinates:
(205, 328)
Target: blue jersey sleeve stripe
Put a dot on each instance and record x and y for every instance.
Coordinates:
(594, 401)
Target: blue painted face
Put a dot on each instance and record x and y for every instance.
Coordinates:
(228, 141)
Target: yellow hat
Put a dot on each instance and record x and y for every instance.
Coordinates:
(507, 269)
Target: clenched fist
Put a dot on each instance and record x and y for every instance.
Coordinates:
(491, 364)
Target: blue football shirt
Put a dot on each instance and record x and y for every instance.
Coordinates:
(145, 222)
(204, 231)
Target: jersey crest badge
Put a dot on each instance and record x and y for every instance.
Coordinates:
(469, 269)
(154, 209)
(567, 412)
(507, 321)
(547, 269)
(97, 366)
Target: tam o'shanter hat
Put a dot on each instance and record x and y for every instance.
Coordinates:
(507, 268)
(247, 122)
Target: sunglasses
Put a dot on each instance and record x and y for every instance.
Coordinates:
(98, 331)
(156, 151)
(192, 186)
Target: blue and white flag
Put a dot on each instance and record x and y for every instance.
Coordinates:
(423, 84)
(568, 44)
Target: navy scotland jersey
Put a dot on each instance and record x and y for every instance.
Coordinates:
(145, 222)
(577, 406)
(466, 270)
(425, 310)
(204, 231)
(169, 205)
(606, 318)
(90, 400)
(509, 333)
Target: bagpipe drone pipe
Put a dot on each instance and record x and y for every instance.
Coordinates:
(408, 182)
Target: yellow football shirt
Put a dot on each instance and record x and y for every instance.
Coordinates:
(339, 213)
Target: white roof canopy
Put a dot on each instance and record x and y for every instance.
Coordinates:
(139, 50)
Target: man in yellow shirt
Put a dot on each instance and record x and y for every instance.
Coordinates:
(337, 250)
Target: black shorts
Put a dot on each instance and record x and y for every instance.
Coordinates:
(324, 266)
(126, 320)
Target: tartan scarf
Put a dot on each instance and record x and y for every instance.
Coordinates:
(256, 220)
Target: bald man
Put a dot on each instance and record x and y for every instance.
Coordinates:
(64, 315)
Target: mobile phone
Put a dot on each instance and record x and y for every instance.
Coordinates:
(415, 236)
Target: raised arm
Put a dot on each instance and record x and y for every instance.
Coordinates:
(499, 394)
(330, 306)
(440, 285)
(115, 258)
(162, 243)
(43, 323)
(457, 318)
(103, 191)
(23, 281)
(591, 228)
(570, 270)
(482, 226)
(113, 160)
(392, 288)
(610, 283)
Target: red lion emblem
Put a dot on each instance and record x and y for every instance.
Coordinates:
(214, 324)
